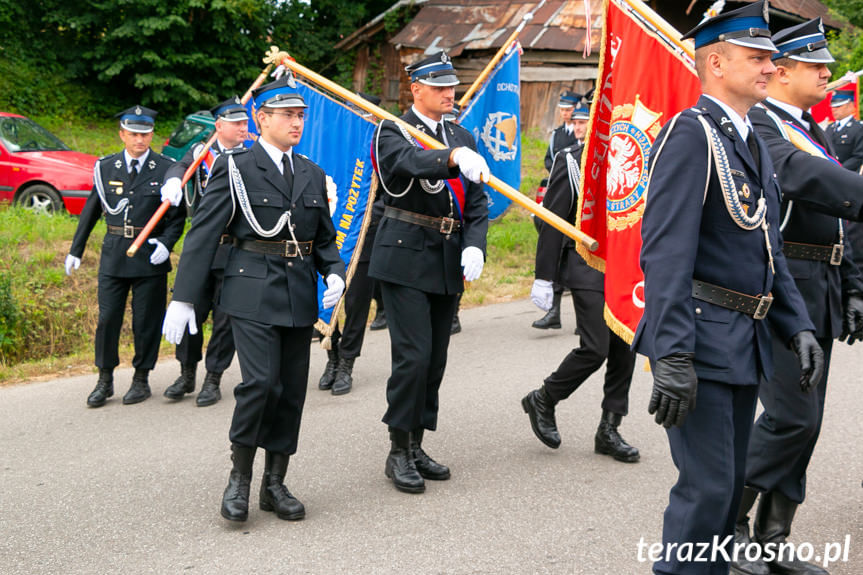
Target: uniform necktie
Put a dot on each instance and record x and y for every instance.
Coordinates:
(753, 147)
(288, 172)
(134, 166)
(815, 129)
(439, 133)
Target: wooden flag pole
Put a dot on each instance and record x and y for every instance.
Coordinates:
(277, 56)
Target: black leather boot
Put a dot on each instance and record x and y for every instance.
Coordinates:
(551, 320)
(456, 325)
(400, 465)
(235, 500)
(210, 392)
(609, 442)
(427, 467)
(344, 380)
(103, 390)
(743, 566)
(772, 526)
(380, 321)
(274, 495)
(183, 384)
(140, 389)
(540, 408)
(329, 375)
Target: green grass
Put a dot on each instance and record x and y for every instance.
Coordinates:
(54, 330)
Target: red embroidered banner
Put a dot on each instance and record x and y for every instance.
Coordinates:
(643, 82)
(823, 113)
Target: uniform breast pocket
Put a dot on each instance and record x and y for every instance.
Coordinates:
(408, 239)
(245, 275)
(313, 204)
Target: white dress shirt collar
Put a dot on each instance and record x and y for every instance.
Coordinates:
(141, 160)
(276, 154)
(791, 109)
(742, 125)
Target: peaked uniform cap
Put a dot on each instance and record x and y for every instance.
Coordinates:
(137, 119)
(746, 26)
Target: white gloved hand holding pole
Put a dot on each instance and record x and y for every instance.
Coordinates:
(471, 164)
(172, 191)
(179, 316)
(542, 294)
(335, 289)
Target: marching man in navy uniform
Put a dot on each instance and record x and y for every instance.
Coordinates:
(846, 133)
(557, 262)
(126, 189)
(431, 238)
(231, 129)
(817, 193)
(577, 120)
(715, 277)
(564, 135)
(273, 204)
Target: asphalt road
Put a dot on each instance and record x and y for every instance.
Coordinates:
(136, 489)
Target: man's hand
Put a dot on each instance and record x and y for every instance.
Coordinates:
(810, 357)
(335, 289)
(72, 263)
(852, 321)
(179, 315)
(471, 164)
(542, 294)
(472, 261)
(160, 252)
(674, 388)
(172, 191)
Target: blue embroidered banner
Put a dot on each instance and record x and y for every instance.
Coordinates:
(492, 117)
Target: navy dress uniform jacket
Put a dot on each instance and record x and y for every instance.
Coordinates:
(689, 236)
(848, 143)
(556, 258)
(408, 254)
(821, 192)
(266, 288)
(144, 194)
(559, 140)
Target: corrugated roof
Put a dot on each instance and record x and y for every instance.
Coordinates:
(486, 24)
(459, 25)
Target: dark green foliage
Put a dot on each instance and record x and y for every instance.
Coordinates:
(9, 318)
(93, 57)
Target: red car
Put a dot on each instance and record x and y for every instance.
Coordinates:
(40, 172)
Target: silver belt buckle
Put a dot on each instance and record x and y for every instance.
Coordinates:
(446, 225)
(291, 249)
(128, 231)
(763, 307)
(836, 254)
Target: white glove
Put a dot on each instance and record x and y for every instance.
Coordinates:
(471, 164)
(335, 289)
(160, 252)
(472, 261)
(542, 294)
(179, 315)
(72, 263)
(172, 191)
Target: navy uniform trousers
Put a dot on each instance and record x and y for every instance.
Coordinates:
(557, 259)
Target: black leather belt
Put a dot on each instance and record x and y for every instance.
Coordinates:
(445, 226)
(125, 231)
(285, 248)
(832, 253)
(756, 306)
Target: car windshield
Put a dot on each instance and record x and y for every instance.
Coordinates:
(185, 133)
(25, 135)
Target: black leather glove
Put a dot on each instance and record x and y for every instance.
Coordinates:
(810, 357)
(852, 321)
(674, 388)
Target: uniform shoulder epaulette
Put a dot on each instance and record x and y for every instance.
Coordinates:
(313, 164)
(107, 156)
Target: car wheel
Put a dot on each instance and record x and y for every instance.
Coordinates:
(41, 199)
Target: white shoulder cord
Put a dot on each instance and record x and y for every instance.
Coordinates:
(729, 191)
(97, 179)
(574, 173)
(190, 198)
(426, 185)
(238, 187)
